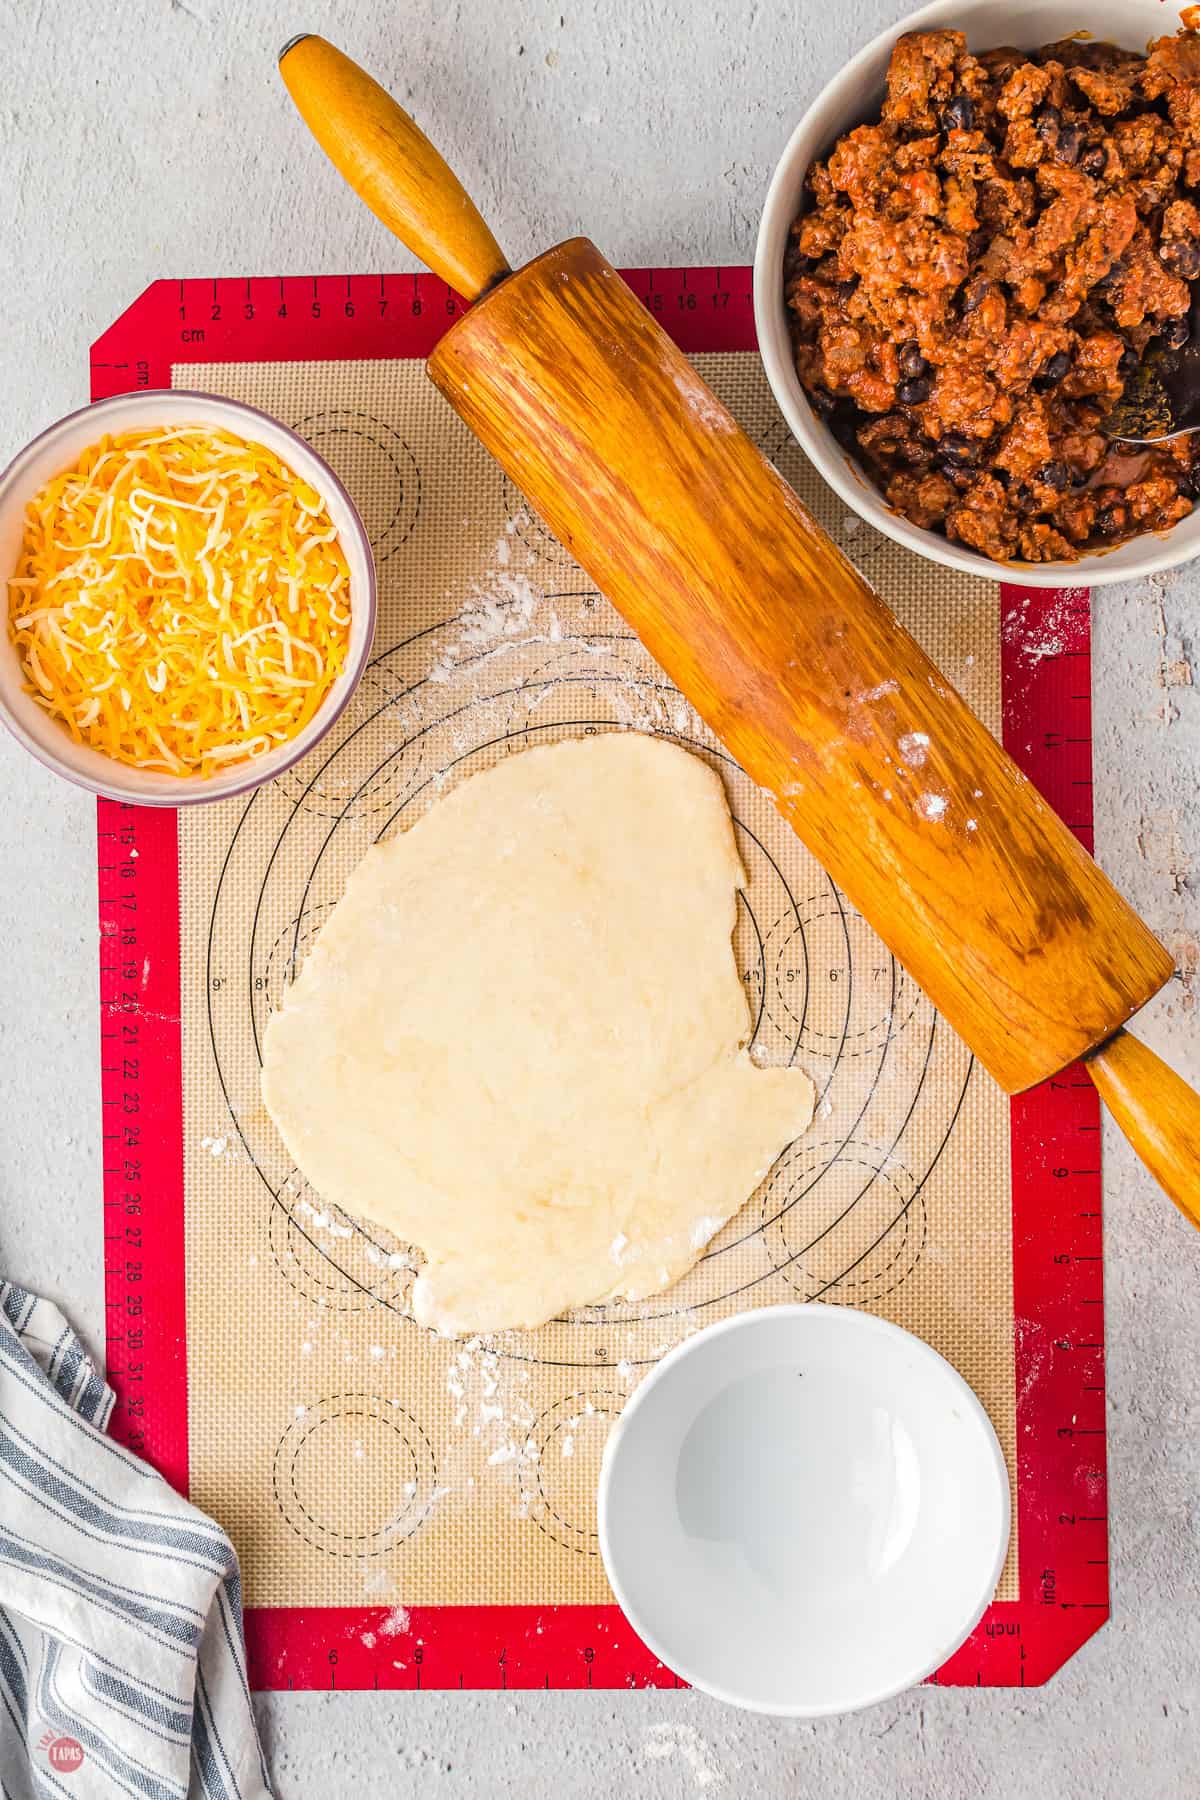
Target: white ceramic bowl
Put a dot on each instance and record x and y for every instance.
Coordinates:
(851, 98)
(803, 1510)
(61, 446)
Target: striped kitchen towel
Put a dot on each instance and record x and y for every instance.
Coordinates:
(122, 1667)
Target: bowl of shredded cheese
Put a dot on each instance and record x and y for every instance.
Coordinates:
(190, 597)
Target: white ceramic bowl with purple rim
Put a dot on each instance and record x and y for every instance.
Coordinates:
(852, 98)
(803, 1510)
(59, 448)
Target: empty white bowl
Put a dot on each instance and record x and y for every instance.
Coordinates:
(58, 449)
(803, 1510)
(851, 98)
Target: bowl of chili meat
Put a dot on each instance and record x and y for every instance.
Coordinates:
(974, 237)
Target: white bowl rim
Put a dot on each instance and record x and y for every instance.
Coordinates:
(1159, 551)
(194, 790)
(848, 1317)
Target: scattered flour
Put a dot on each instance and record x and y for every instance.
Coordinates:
(395, 1259)
(914, 748)
(701, 402)
(323, 1221)
(673, 1739)
(492, 621)
(1052, 629)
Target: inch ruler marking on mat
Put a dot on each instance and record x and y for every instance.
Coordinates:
(1058, 1269)
(453, 1647)
(141, 1106)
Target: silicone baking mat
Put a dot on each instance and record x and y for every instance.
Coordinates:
(411, 1511)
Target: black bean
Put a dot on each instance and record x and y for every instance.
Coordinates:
(1068, 145)
(911, 360)
(915, 456)
(975, 293)
(957, 452)
(977, 243)
(912, 393)
(1079, 478)
(823, 402)
(1183, 256)
(1094, 161)
(1110, 521)
(1054, 474)
(1047, 123)
(1175, 333)
(1129, 360)
(958, 114)
(1055, 367)
(1022, 494)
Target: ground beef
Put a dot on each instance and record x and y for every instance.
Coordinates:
(977, 275)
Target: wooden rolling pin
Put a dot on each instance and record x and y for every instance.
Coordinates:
(966, 873)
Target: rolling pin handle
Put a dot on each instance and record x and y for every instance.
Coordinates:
(391, 164)
(1158, 1113)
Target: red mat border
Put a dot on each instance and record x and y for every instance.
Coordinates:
(1057, 1246)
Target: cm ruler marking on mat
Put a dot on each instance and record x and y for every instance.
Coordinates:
(295, 317)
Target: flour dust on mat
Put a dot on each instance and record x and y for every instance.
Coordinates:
(520, 1039)
(357, 1458)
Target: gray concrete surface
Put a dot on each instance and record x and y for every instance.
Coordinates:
(141, 138)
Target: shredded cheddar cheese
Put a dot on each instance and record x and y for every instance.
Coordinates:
(181, 601)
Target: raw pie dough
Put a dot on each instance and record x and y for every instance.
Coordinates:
(519, 1042)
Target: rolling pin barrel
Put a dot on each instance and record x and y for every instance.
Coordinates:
(926, 824)
(965, 872)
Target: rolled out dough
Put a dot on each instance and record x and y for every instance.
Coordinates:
(519, 1041)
